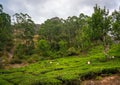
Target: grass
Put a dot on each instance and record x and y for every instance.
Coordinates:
(62, 71)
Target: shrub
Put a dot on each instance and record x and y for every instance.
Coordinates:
(16, 60)
(44, 47)
(1, 64)
(4, 82)
(34, 58)
(71, 51)
(115, 50)
(20, 50)
(62, 48)
(4, 61)
(98, 78)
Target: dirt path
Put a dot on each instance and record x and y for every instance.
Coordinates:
(111, 80)
(15, 65)
(18, 65)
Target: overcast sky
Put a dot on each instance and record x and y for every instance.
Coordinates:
(40, 10)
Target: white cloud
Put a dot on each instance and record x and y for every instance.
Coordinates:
(40, 10)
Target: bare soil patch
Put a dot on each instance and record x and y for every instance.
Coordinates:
(109, 80)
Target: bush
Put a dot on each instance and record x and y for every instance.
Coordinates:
(20, 50)
(62, 48)
(98, 78)
(44, 48)
(4, 82)
(34, 58)
(1, 64)
(4, 61)
(115, 50)
(72, 51)
(16, 60)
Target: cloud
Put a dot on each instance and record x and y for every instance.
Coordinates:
(40, 10)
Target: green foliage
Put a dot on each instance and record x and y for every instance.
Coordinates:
(83, 38)
(5, 31)
(64, 34)
(1, 8)
(24, 32)
(100, 23)
(20, 49)
(116, 24)
(44, 47)
(62, 48)
(16, 60)
(51, 31)
(71, 51)
(114, 50)
(69, 70)
(6, 42)
(4, 82)
(98, 78)
(34, 58)
(62, 45)
(59, 38)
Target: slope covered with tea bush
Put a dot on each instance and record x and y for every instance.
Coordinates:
(63, 71)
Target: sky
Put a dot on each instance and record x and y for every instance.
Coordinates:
(41, 10)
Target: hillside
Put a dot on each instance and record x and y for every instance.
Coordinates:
(60, 51)
(62, 71)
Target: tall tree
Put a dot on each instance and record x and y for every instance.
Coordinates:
(24, 30)
(52, 31)
(5, 34)
(83, 33)
(5, 31)
(100, 24)
(70, 26)
(116, 24)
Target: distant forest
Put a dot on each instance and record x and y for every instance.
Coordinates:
(24, 41)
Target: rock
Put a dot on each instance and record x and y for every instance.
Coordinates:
(113, 57)
(50, 62)
(88, 62)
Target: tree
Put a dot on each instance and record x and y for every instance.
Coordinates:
(5, 31)
(1, 8)
(83, 37)
(44, 48)
(62, 48)
(116, 24)
(24, 30)
(100, 24)
(71, 25)
(5, 34)
(83, 33)
(52, 31)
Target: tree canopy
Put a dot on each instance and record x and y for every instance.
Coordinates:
(57, 37)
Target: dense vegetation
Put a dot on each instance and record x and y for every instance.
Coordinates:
(63, 71)
(61, 48)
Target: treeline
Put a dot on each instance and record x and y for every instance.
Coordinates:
(56, 37)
